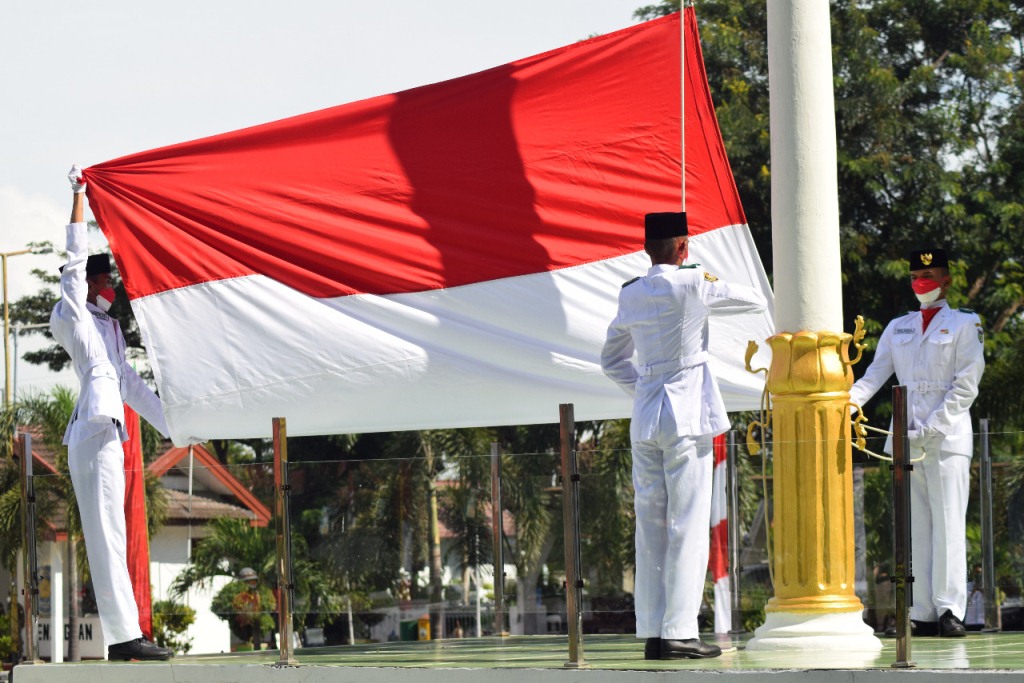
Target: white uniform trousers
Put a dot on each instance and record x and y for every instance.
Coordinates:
(939, 487)
(672, 482)
(97, 473)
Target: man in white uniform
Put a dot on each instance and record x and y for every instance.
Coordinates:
(677, 410)
(93, 339)
(938, 354)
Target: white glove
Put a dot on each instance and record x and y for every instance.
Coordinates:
(77, 179)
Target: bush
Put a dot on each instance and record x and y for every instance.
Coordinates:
(247, 610)
(6, 646)
(170, 621)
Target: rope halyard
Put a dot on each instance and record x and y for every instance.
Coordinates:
(860, 442)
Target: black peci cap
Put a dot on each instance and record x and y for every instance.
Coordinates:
(96, 264)
(930, 257)
(662, 226)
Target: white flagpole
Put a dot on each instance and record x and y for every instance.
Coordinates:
(815, 607)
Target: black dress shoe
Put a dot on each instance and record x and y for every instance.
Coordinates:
(950, 626)
(652, 648)
(140, 649)
(694, 648)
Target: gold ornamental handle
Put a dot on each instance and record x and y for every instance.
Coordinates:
(858, 337)
(751, 350)
(753, 446)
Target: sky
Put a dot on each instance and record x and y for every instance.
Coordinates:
(87, 82)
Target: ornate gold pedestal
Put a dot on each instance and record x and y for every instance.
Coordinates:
(810, 380)
(815, 606)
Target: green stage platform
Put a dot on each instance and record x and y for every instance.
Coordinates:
(981, 657)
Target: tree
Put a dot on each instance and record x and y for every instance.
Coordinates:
(233, 544)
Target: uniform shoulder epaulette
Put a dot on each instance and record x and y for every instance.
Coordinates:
(627, 283)
(690, 267)
(968, 310)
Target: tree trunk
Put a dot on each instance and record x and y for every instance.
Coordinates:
(467, 572)
(436, 590)
(534, 615)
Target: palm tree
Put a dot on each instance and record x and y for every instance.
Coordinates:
(50, 413)
(233, 544)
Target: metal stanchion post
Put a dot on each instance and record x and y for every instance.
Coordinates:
(732, 470)
(988, 563)
(497, 521)
(285, 585)
(30, 593)
(903, 577)
(571, 531)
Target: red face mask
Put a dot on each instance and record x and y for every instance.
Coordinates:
(105, 298)
(926, 289)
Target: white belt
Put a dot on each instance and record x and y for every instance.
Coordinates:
(673, 365)
(923, 387)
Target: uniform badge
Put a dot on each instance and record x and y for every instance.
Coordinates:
(709, 277)
(943, 331)
(981, 333)
(926, 259)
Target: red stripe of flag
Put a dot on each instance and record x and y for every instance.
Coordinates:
(542, 164)
(135, 521)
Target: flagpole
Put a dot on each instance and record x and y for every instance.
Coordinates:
(814, 606)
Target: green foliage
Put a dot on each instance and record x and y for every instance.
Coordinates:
(607, 524)
(246, 610)
(232, 544)
(6, 644)
(171, 620)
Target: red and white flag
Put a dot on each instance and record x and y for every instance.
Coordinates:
(446, 256)
(718, 557)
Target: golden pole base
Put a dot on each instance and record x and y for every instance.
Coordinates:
(813, 549)
(815, 607)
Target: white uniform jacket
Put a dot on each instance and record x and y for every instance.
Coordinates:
(663, 316)
(941, 369)
(97, 348)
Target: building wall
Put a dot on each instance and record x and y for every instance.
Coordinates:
(168, 553)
